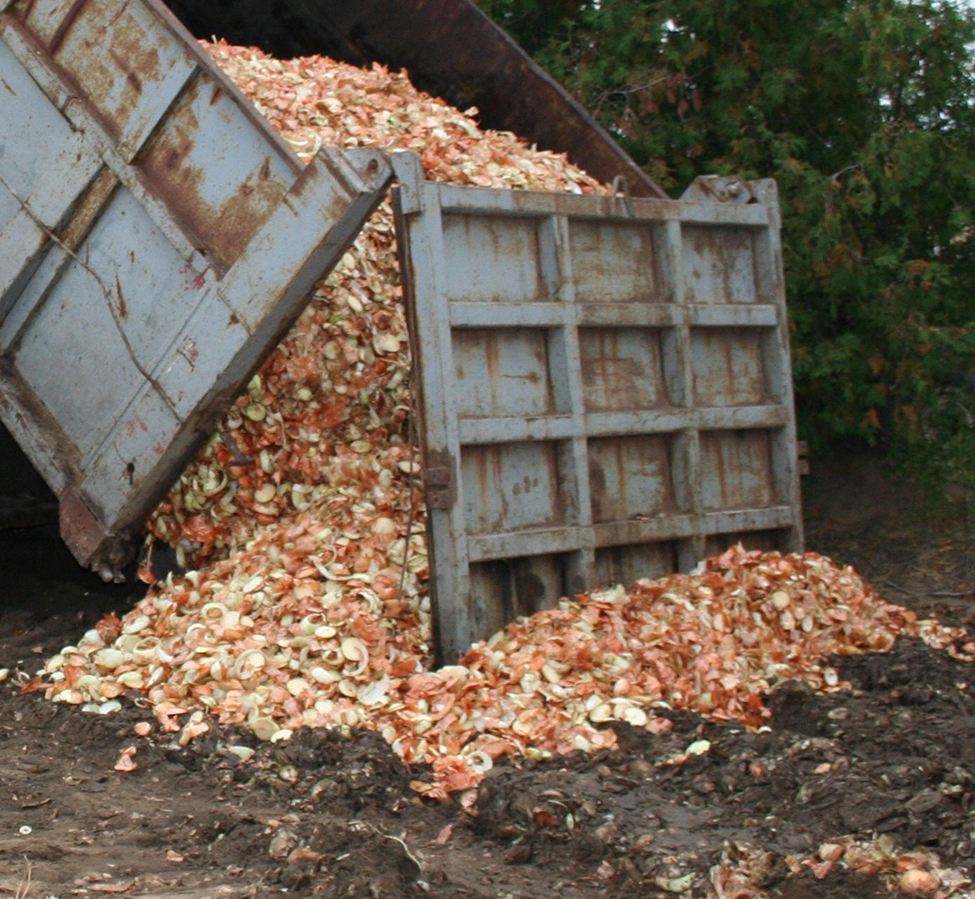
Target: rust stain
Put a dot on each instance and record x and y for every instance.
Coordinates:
(125, 65)
(496, 458)
(619, 375)
(136, 424)
(439, 481)
(221, 227)
(64, 26)
(80, 529)
(597, 489)
(560, 485)
(123, 309)
(189, 351)
(492, 361)
(88, 209)
(26, 8)
(729, 368)
(738, 465)
(307, 175)
(483, 485)
(622, 486)
(102, 48)
(730, 373)
(240, 217)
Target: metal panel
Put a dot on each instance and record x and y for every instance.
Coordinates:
(157, 238)
(605, 389)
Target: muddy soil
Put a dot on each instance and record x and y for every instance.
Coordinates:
(331, 814)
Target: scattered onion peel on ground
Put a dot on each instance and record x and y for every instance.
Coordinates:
(254, 643)
(742, 869)
(304, 523)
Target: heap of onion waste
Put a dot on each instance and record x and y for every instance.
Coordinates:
(302, 521)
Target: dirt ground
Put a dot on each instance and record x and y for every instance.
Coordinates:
(330, 814)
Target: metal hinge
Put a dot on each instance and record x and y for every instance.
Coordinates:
(439, 481)
(802, 457)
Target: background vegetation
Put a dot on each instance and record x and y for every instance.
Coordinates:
(864, 112)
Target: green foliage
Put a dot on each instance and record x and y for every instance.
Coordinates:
(864, 112)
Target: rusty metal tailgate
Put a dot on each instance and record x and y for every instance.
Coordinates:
(605, 390)
(156, 240)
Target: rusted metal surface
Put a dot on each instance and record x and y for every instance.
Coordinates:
(605, 389)
(450, 48)
(156, 240)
